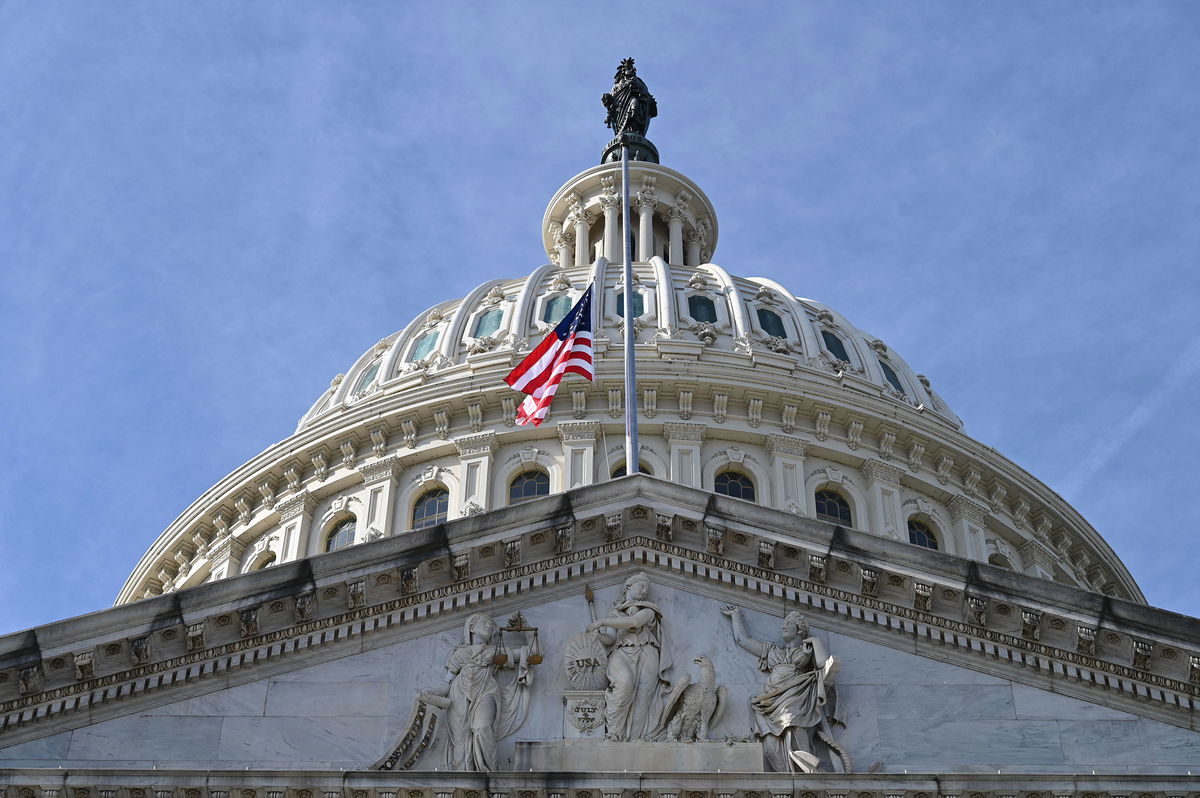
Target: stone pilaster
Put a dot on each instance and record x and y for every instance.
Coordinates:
(883, 499)
(684, 441)
(379, 485)
(787, 467)
(579, 452)
(475, 454)
(970, 520)
(295, 521)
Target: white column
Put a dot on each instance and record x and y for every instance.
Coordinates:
(379, 486)
(295, 522)
(579, 452)
(563, 240)
(675, 228)
(692, 238)
(883, 495)
(787, 466)
(613, 250)
(685, 441)
(970, 521)
(475, 471)
(645, 208)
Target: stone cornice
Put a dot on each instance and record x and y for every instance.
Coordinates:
(128, 782)
(1159, 688)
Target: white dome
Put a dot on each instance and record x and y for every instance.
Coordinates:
(735, 376)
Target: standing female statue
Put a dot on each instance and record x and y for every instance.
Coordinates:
(478, 710)
(793, 710)
(637, 663)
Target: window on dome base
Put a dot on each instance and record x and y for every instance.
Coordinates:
(832, 506)
(556, 308)
(921, 535)
(341, 535)
(488, 323)
(528, 485)
(771, 323)
(1000, 561)
(701, 308)
(891, 377)
(619, 471)
(266, 561)
(424, 345)
(835, 346)
(735, 485)
(431, 508)
(639, 306)
(367, 377)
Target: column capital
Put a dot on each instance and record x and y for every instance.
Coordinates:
(675, 431)
(578, 431)
(387, 468)
(879, 471)
(475, 445)
(961, 508)
(783, 444)
(302, 503)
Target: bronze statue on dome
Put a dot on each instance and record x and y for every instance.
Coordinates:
(630, 104)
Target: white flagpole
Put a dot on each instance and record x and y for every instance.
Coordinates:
(632, 460)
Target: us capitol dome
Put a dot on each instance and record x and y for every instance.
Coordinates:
(744, 389)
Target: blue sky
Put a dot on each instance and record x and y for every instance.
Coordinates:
(209, 209)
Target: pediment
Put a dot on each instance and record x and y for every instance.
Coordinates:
(322, 668)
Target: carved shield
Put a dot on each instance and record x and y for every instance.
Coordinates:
(585, 661)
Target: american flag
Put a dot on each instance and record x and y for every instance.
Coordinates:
(567, 348)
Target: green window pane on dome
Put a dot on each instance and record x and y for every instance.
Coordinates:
(555, 309)
(488, 323)
(771, 323)
(365, 379)
(424, 345)
(639, 305)
(431, 508)
(891, 377)
(701, 308)
(835, 345)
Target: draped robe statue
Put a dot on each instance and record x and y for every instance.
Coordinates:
(630, 104)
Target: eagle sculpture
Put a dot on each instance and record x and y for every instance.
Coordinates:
(692, 708)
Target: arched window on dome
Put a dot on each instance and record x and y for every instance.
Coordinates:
(528, 485)
(920, 534)
(366, 378)
(341, 534)
(734, 484)
(771, 323)
(835, 346)
(619, 471)
(639, 304)
(488, 323)
(266, 562)
(556, 309)
(424, 345)
(832, 506)
(431, 508)
(892, 378)
(701, 308)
